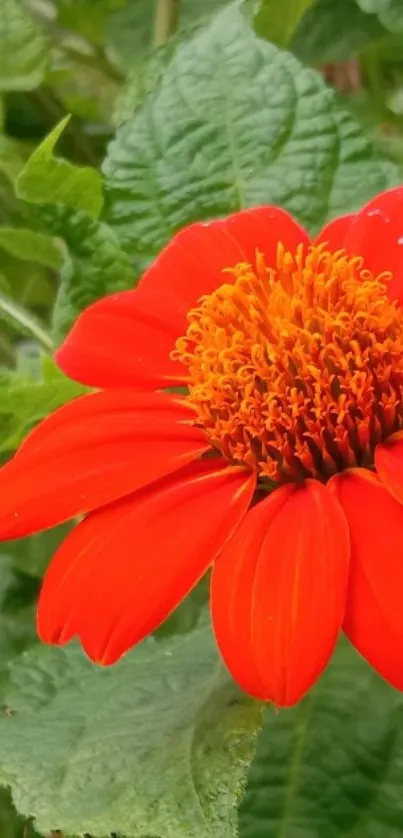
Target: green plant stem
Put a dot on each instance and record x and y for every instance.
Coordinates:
(370, 64)
(165, 21)
(24, 319)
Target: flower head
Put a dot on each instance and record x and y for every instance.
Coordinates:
(281, 465)
(294, 369)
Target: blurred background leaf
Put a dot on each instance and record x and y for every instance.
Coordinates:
(31, 246)
(331, 31)
(277, 21)
(11, 825)
(389, 12)
(23, 49)
(25, 399)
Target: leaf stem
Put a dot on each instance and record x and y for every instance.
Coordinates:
(165, 21)
(370, 64)
(24, 318)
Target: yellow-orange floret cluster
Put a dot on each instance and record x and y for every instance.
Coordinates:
(297, 370)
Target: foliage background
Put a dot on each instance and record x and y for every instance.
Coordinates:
(180, 110)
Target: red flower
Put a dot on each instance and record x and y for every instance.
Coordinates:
(292, 355)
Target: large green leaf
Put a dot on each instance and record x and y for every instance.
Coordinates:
(235, 122)
(158, 745)
(332, 767)
(278, 21)
(23, 59)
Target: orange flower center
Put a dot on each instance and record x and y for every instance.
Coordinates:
(297, 370)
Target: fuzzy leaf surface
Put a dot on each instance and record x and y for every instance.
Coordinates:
(158, 745)
(331, 767)
(235, 122)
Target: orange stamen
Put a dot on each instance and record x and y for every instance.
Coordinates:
(297, 370)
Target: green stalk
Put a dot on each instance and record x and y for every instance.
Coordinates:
(24, 319)
(165, 21)
(371, 66)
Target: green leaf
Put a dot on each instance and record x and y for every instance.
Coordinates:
(68, 200)
(130, 30)
(142, 80)
(17, 617)
(375, 6)
(95, 265)
(11, 825)
(157, 745)
(87, 18)
(334, 31)
(390, 12)
(332, 766)
(47, 180)
(31, 283)
(235, 122)
(23, 53)
(17, 631)
(32, 555)
(277, 21)
(23, 402)
(11, 160)
(30, 246)
(187, 615)
(8, 816)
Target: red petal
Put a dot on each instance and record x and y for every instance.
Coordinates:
(376, 234)
(125, 568)
(126, 339)
(279, 591)
(374, 616)
(232, 587)
(193, 263)
(334, 234)
(92, 451)
(389, 464)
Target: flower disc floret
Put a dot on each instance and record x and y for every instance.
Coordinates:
(297, 371)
